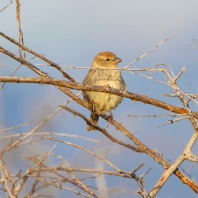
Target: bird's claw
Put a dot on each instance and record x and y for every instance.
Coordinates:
(92, 106)
(110, 119)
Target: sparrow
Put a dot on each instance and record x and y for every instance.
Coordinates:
(98, 76)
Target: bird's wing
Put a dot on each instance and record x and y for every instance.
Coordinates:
(88, 80)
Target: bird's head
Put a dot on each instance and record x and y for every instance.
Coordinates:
(105, 60)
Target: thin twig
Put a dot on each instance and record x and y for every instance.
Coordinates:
(18, 18)
(6, 6)
(102, 130)
(63, 178)
(151, 116)
(7, 173)
(14, 127)
(64, 188)
(40, 162)
(39, 56)
(53, 134)
(4, 182)
(148, 52)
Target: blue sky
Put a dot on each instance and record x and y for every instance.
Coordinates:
(72, 33)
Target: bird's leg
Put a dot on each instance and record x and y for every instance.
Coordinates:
(110, 119)
(90, 105)
(93, 106)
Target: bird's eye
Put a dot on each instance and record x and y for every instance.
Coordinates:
(107, 59)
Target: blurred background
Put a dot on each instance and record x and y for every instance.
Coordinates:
(71, 33)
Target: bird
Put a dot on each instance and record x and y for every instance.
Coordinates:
(97, 75)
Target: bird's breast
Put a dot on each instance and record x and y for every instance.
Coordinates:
(111, 77)
(105, 101)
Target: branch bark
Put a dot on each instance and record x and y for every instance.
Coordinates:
(133, 96)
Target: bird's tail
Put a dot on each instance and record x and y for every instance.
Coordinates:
(94, 120)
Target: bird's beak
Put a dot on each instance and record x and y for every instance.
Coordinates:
(117, 60)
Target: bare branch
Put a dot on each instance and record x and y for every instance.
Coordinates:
(102, 130)
(148, 52)
(39, 56)
(4, 182)
(14, 127)
(6, 6)
(151, 116)
(18, 18)
(53, 134)
(64, 188)
(40, 162)
(63, 178)
(126, 94)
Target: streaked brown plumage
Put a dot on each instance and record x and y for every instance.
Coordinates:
(104, 101)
